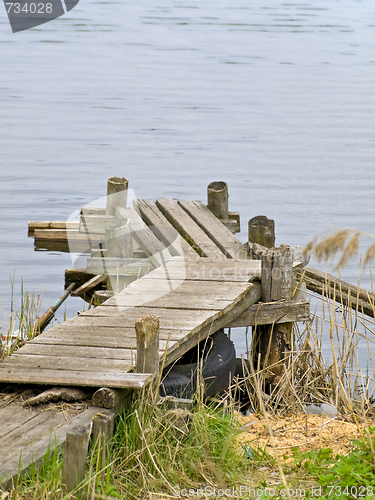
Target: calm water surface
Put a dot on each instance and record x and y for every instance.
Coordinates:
(275, 98)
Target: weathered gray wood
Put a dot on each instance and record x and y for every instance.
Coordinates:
(52, 434)
(30, 375)
(101, 296)
(189, 229)
(96, 224)
(99, 252)
(189, 295)
(70, 235)
(88, 210)
(209, 270)
(277, 274)
(247, 298)
(119, 266)
(102, 434)
(273, 312)
(231, 247)
(233, 222)
(147, 329)
(119, 239)
(217, 199)
(66, 363)
(163, 229)
(110, 398)
(91, 283)
(146, 239)
(274, 342)
(33, 225)
(75, 455)
(117, 194)
(57, 394)
(262, 231)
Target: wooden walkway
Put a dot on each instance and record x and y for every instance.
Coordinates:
(193, 274)
(98, 348)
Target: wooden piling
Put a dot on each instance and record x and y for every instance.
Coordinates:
(102, 433)
(217, 199)
(117, 194)
(273, 342)
(261, 230)
(147, 330)
(75, 455)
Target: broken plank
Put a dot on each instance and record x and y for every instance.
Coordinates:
(215, 230)
(189, 229)
(273, 312)
(163, 229)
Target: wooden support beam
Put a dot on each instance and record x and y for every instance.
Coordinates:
(273, 312)
(122, 267)
(342, 292)
(33, 225)
(75, 455)
(112, 399)
(119, 240)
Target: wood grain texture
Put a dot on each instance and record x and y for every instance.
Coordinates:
(215, 230)
(163, 229)
(273, 312)
(189, 229)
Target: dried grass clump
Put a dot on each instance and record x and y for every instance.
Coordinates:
(344, 241)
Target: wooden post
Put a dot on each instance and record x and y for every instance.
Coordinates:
(262, 231)
(102, 433)
(75, 455)
(217, 199)
(147, 330)
(117, 194)
(273, 342)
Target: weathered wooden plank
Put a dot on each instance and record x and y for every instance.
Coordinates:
(96, 223)
(317, 281)
(70, 235)
(273, 312)
(244, 300)
(157, 252)
(163, 229)
(13, 417)
(79, 350)
(33, 225)
(215, 230)
(67, 363)
(189, 229)
(29, 430)
(209, 270)
(33, 375)
(114, 266)
(117, 347)
(20, 459)
(91, 283)
(189, 295)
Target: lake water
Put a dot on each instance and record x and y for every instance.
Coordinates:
(275, 98)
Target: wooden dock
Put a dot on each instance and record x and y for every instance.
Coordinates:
(185, 266)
